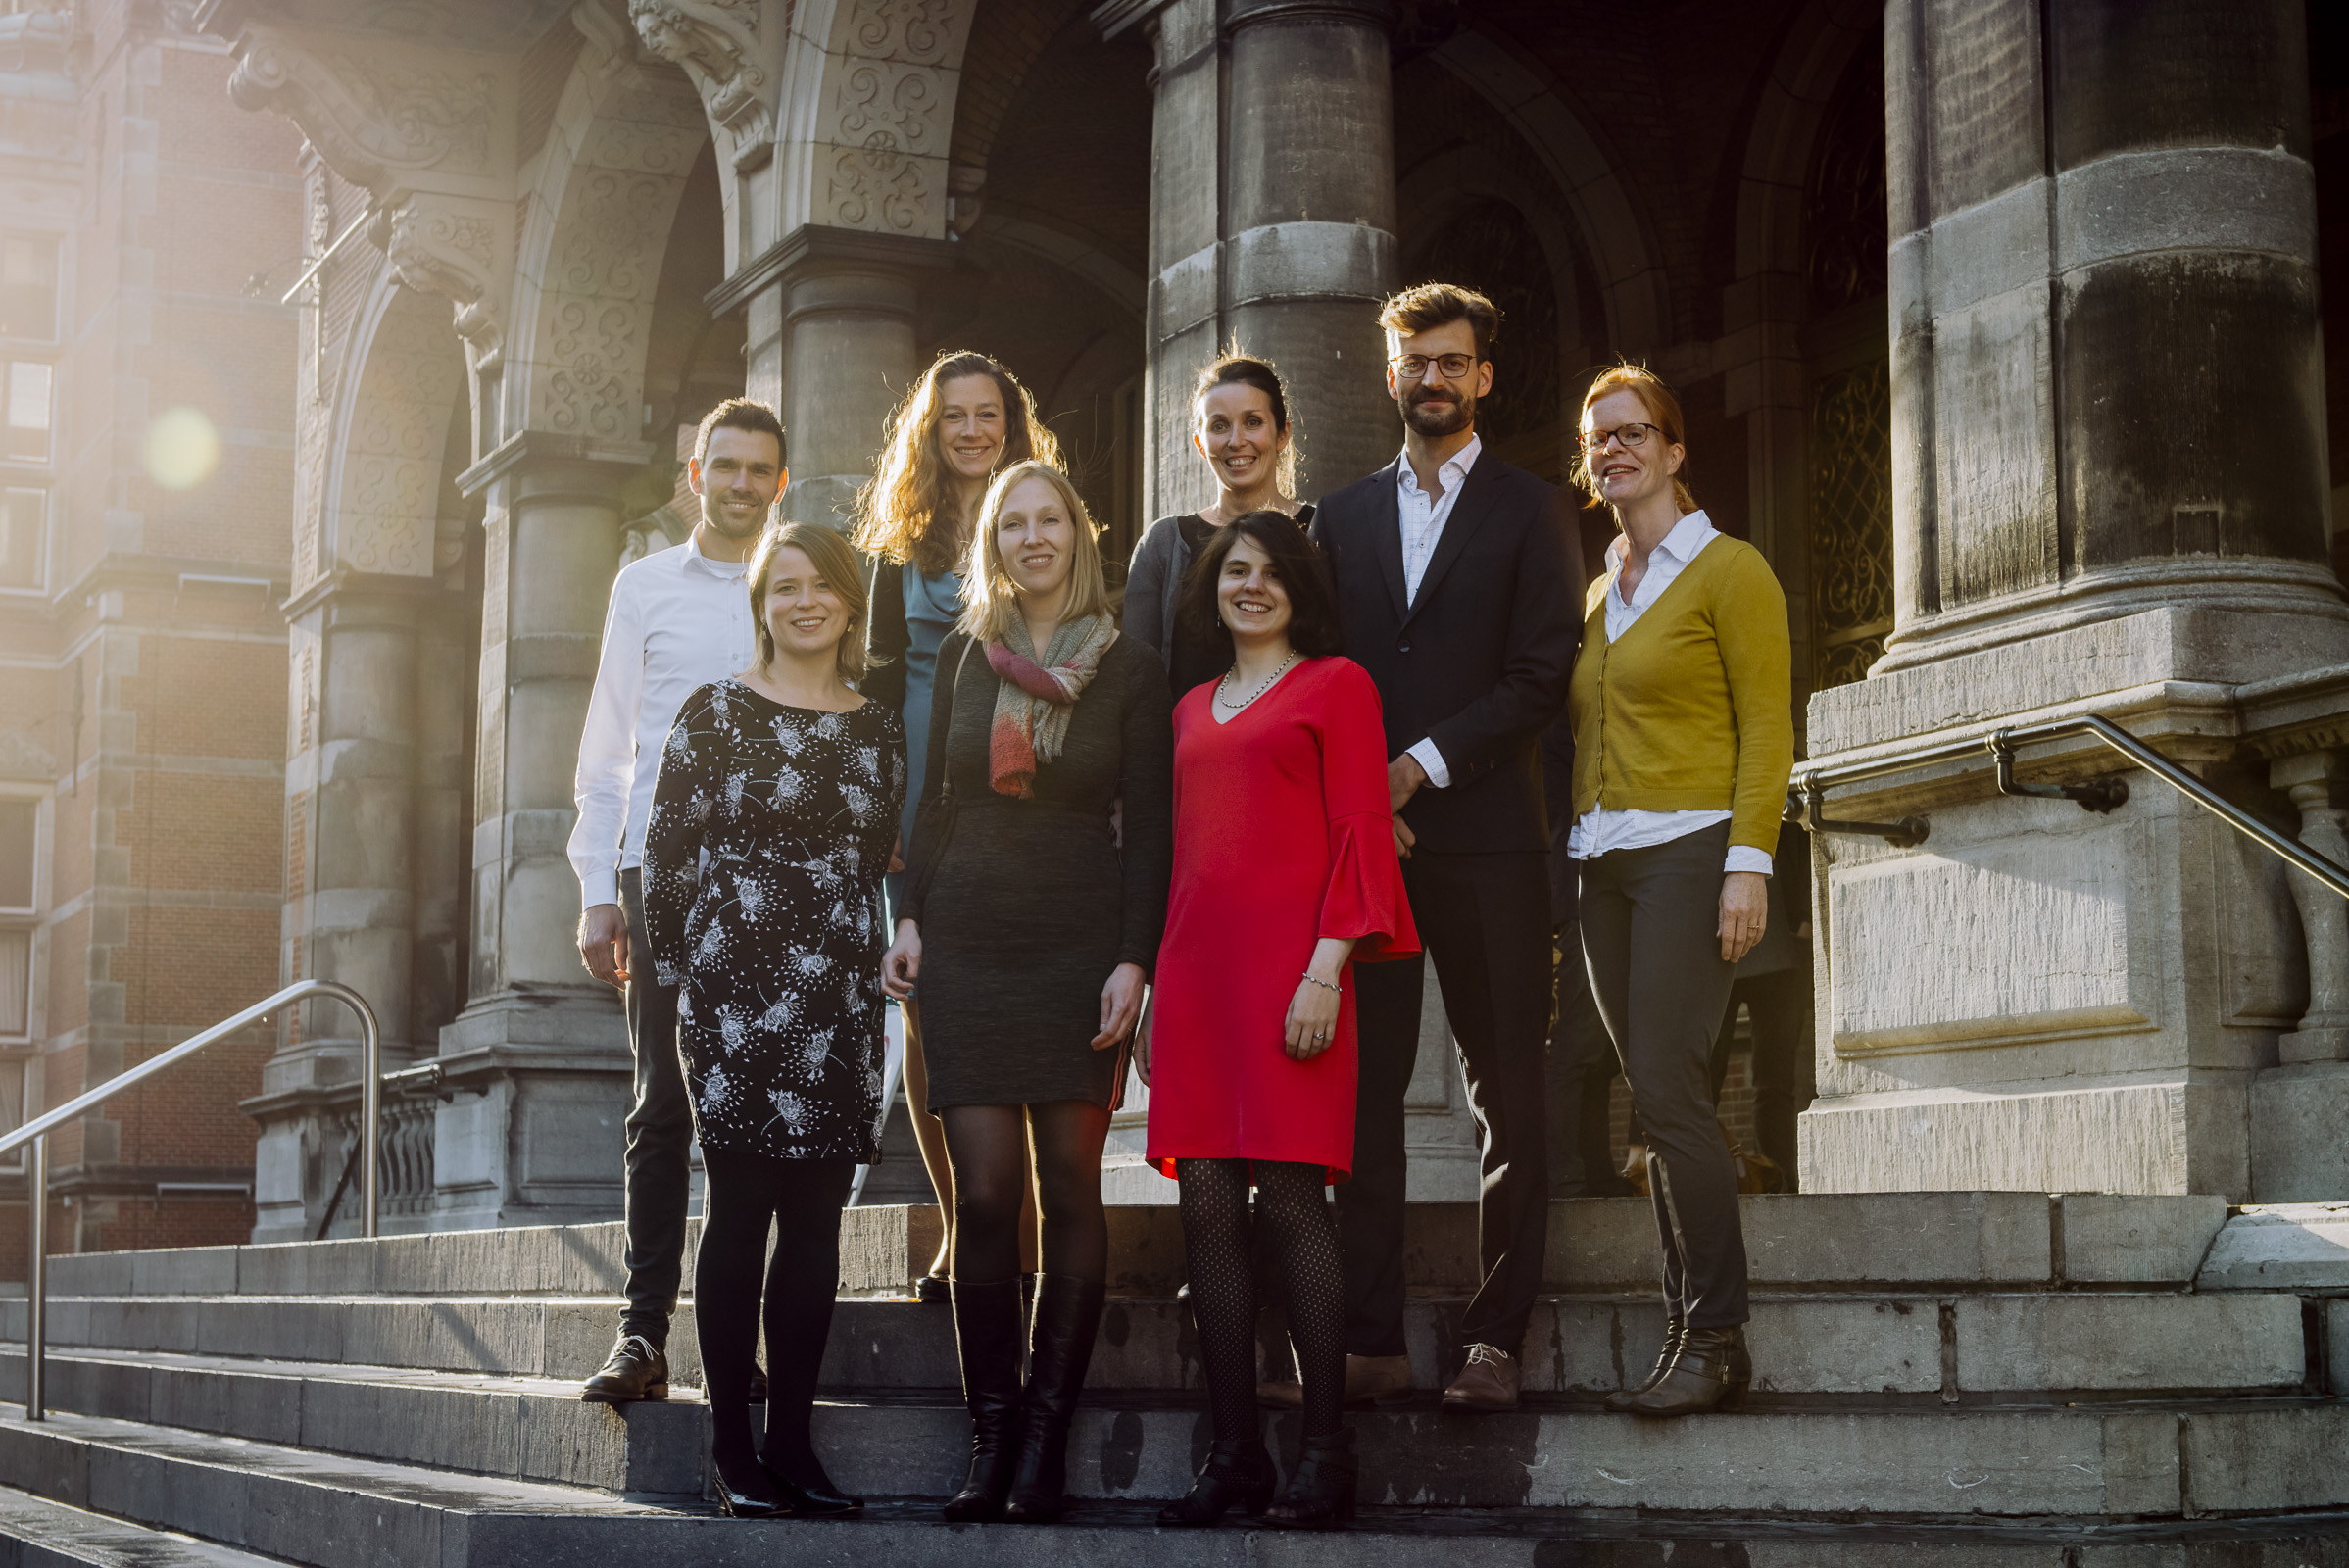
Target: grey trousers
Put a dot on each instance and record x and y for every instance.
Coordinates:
(1651, 935)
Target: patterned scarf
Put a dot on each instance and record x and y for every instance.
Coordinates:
(1033, 703)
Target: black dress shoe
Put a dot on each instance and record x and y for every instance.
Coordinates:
(1676, 1328)
(638, 1370)
(932, 1290)
(817, 1499)
(1710, 1373)
(1321, 1489)
(757, 1498)
(1237, 1475)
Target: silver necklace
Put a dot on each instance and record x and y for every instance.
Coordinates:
(1260, 691)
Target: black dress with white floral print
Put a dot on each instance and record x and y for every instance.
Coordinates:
(771, 828)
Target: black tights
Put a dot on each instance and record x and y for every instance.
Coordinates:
(1223, 1288)
(802, 1200)
(983, 1146)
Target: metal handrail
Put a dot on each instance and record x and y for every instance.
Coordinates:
(36, 1133)
(1811, 784)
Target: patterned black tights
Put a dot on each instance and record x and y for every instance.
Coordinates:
(1223, 1290)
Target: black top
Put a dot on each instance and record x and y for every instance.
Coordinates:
(1195, 658)
(1481, 660)
(886, 636)
(762, 861)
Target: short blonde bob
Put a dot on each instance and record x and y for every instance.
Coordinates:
(989, 598)
(836, 564)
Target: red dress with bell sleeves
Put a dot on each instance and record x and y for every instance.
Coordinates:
(1282, 837)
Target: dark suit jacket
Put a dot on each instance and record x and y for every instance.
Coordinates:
(1481, 660)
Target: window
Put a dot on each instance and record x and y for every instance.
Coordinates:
(27, 426)
(28, 288)
(23, 534)
(19, 822)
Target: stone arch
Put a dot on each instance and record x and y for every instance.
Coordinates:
(1617, 234)
(1786, 120)
(404, 374)
(596, 218)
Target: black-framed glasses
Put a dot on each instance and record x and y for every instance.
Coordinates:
(1627, 436)
(1412, 366)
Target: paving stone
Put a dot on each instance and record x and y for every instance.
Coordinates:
(2129, 1342)
(2336, 1345)
(294, 1268)
(36, 1533)
(594, 1258)
(186, 1271)
(91, 1274)
(2280, 1246)
(291, 1328)
(1883, 1240)
(2137, 1239)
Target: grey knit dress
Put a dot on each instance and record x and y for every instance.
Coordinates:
(1034, 901)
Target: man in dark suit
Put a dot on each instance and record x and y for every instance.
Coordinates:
(1458, 583)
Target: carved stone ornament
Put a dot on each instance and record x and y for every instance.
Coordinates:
(368, 123)
(452, 254)
(23, 757)
(713, 41)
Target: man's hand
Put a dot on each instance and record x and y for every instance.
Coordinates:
(1744, 912)
(1404, 775)
(1404, 838)
(603, 943)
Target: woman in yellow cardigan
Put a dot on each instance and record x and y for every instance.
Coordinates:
(1684, 738)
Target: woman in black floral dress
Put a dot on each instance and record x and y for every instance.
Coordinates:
(771, 827)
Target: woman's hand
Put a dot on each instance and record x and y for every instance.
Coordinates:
(900, 966)
(1744, 912)
(897, 853)
(1121, 1005)
(1312, 1024)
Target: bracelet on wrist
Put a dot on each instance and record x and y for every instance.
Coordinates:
(1311, 979)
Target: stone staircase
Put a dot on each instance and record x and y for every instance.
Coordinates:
(1974, 1378)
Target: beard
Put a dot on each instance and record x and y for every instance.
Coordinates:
(1439, 414)
(714, 513)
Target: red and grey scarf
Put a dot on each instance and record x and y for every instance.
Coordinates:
(1034, 702)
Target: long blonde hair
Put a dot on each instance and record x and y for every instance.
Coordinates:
(990, 602)
(905, 512)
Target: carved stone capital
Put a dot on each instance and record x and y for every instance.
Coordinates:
(715, 43)
(373, 122)
(455, 249)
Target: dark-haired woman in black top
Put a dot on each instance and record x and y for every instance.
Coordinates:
(1240, 425)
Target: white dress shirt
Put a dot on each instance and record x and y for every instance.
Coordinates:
(1601, 828)
(678, 620)
(1423, 519)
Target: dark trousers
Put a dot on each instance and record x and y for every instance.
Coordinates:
(1777, 1005)
(1652, 921)
(1582, 1071)
(659, 1169)
(1485, 920)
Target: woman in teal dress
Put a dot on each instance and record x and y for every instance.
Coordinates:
(965, 420)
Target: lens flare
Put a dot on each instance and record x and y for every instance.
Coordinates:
(182, 449)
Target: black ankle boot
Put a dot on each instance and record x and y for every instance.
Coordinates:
(1676, 1327)
(1711, 1372)
(987, 1334)
(1237, 1475)
(755, 1497)
(1067, 1312)
(1321, 1490)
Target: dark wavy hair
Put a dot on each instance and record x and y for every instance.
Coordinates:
(1312, 597)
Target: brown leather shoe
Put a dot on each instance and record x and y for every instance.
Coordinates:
(1489, 1382)
(1368, 1380)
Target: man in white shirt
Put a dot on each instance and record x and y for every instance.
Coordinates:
(679, 619)
(1457, 578)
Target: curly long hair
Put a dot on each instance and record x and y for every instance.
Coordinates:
(905, 512)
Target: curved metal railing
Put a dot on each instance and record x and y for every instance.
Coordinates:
(1807, 795)
(36, 1133)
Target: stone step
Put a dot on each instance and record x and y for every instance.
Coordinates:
(524, 1429)
(1533, 1472)
(1938, 1242)
(36, 1533)
(1981, 1346)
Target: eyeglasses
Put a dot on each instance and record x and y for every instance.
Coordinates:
(1412, 366)
(1627, 436)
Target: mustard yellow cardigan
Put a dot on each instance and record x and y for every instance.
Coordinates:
(1693, 709)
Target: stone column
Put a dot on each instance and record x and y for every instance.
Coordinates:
(831, 347)
(350, 915)
(1272, 224)
(2109, 497)
(541, 1048)
(2299, 1152)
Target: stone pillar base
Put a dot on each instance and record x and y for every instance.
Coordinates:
(535, 1133)
(2300, 1134)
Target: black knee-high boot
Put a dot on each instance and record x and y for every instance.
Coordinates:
(1068, 1311)
(987, 1334)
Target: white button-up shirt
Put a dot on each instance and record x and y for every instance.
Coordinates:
(1602, 829)
(678, 620)
(1423, 517)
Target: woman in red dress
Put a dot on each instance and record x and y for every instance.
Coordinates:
(1284, 875)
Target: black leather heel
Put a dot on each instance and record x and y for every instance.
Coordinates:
(1321, 1490)
(1068, 1313)
(757, 1501)
(1236, 1474)
(1676, 1328)
(987, 1320)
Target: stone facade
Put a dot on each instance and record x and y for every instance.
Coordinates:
(1935, 291)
